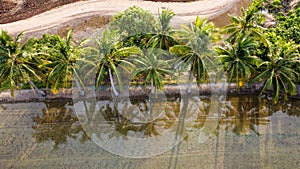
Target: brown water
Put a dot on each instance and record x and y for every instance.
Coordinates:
(246, 133)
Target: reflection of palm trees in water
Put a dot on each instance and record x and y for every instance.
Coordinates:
(244, 114)
(58, 123)
(139, 117)
(2, 107)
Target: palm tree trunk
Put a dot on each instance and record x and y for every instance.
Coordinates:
(81, 92)
(37, 89)
(179, 134)
(116, 93)
(189, 89)
(152, 87)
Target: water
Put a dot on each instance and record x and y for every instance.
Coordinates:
(245, 133)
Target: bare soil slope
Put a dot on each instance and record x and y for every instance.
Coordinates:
(88, 17)
(13, 10)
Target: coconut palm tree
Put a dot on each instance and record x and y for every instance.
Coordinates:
(163, 37)
(153, 68)
(195, 52)
(247, 24)
(280, 73)
(17, 64)
(62, 60)
(239, 60)
(110, 55)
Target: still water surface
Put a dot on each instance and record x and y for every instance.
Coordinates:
(245, 133)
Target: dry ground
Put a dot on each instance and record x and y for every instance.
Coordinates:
(13, 10)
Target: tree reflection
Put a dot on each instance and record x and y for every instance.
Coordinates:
(244, 114)
(58, 123)
(139, 116)
(3, 107)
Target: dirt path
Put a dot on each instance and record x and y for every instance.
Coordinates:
(71, 14)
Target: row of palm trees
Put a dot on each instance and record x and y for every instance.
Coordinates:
(246, 55)
(249, 56)
(48, 61)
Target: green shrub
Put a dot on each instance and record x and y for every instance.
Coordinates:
(133, 21)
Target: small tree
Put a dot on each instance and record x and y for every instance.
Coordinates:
(134, 21)
(109, 55)
(153, 68)
(18, 66)
(163, 38)
(239, 60)
(195, 53)
(61, 59)
(280, 73)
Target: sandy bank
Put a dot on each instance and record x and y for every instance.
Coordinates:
(86, 13)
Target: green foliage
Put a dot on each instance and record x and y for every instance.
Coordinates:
(132, 22)
(135, 26)
(138, 43)
(61, 58)
(287, 20)
(248, 24)
(163, 38)
(246, 46)
(239, 60)
(195, 51)
(153, 68)
(17, 62)
(288, 27)
(109, 55)
(280, 73)
(270, 57)
(164, 19)
(275, 6)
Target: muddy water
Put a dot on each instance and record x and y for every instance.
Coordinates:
(249, 134)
